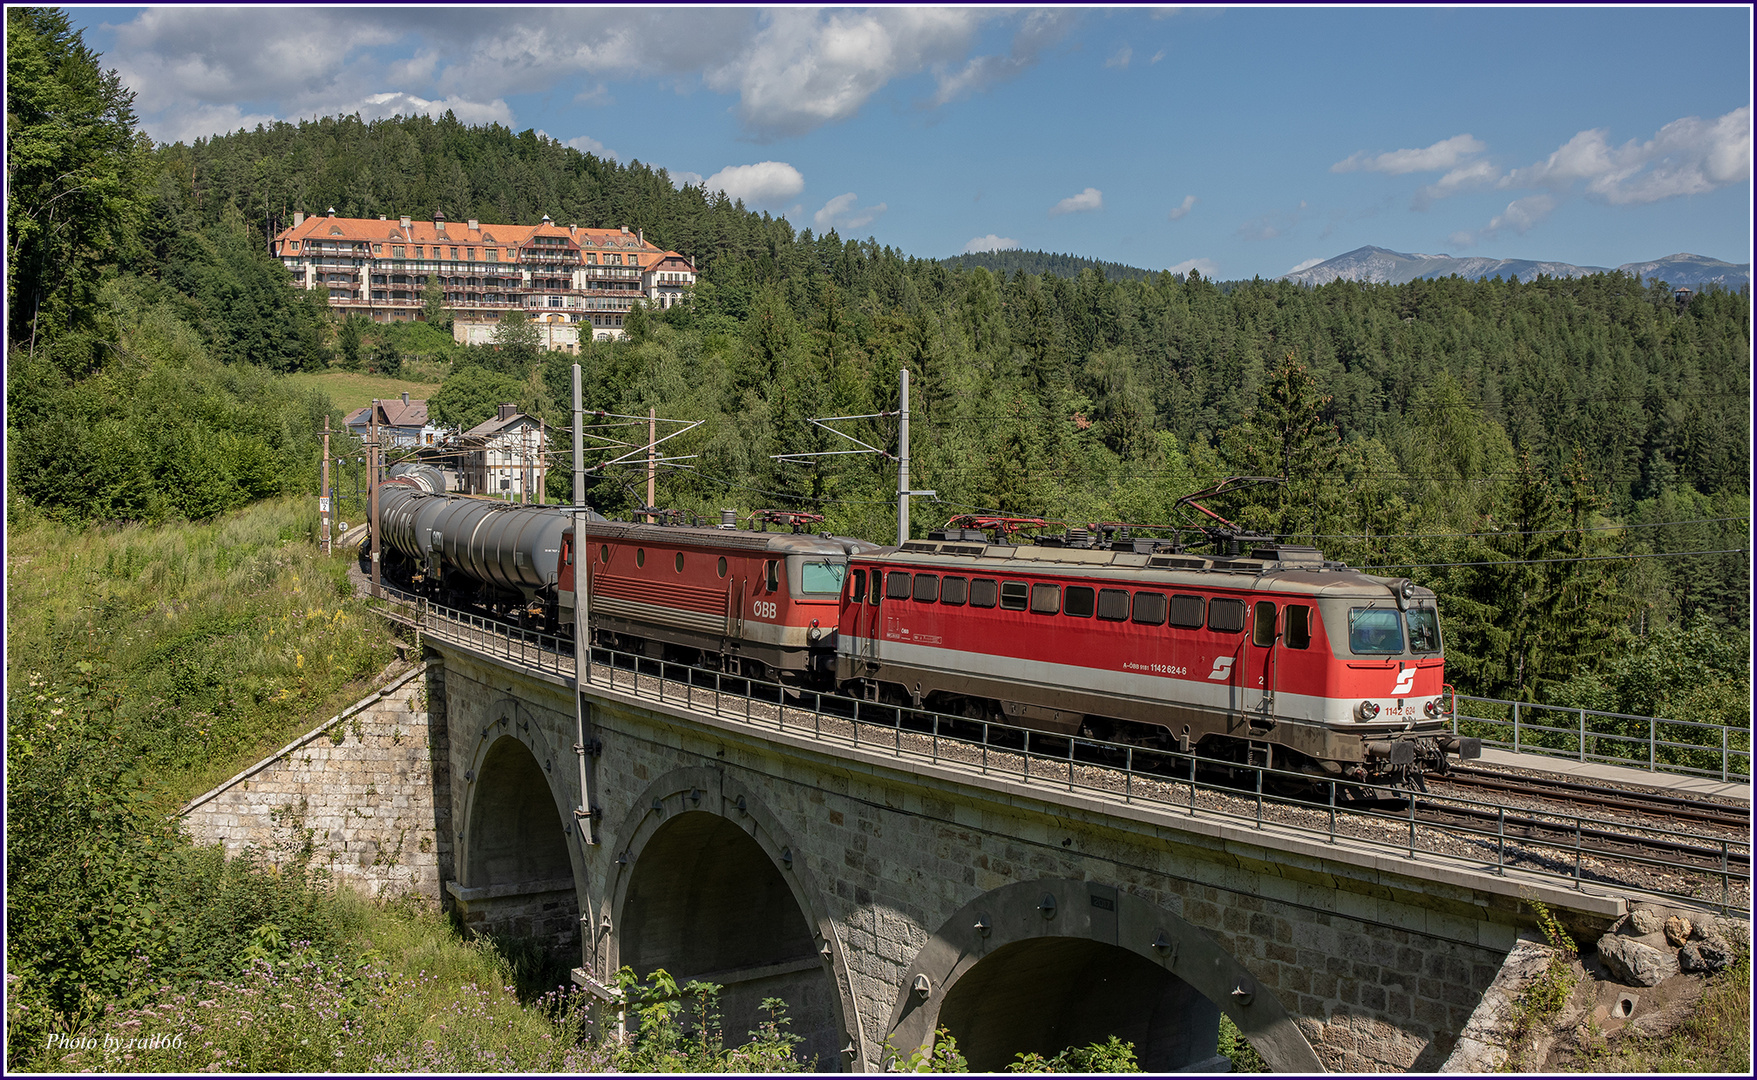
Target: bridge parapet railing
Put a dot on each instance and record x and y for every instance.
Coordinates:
(1654, 743)
(1716, 870)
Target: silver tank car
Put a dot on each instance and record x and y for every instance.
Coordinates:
(515, 548)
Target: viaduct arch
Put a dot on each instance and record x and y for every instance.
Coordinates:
(707, 885)
(515, 855)
(1051, 963)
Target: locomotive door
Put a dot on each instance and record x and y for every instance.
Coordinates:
(867, 625)
(1257, 662)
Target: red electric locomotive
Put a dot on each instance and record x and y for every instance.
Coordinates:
(763, 604)
(1274, 658)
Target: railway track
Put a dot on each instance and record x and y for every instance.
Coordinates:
(1676, 808)
(1585, 838)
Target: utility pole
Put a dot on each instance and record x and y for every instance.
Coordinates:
(652, 455)
(903, 465)
(542, 458)
(373, 456)
(582, 650)
(323, 543)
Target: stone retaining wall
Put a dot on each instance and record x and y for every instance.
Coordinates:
(356, 795)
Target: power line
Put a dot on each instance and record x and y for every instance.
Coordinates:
(1514, 532)
(1530, 562)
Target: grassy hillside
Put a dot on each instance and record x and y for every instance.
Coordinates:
(351, 390)
(219, 641)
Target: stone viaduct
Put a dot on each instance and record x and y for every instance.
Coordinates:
(883, 896)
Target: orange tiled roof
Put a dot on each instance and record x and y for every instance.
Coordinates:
(380, 231)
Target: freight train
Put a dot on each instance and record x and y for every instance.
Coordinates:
(1264, 655)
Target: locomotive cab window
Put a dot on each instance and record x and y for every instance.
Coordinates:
(1078, 602)
(896, 585)
(1014, 594)
(1263, 625)
(857, 587)
(1424, 630)
(878, 581)
(927, 587)
(982, 592)
(1186, 612)
(1297, 627)
(771, 574)
(1046, 599)
(1225, 616)
(1149, 608)
(954, 590)
(821, 577)
(1374, 631)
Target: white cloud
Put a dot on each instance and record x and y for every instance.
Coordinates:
(1120, 59)
(842, 213)
(1307, 265)
(1690, 156)
(1206, 267)
(1178, 212)
(681, 180)
(1445, 154)
(1158, 56)
(806, 68)
(766, 183)
(400, 104)
(1041, 29)
(1090, 199)
(1522, 214)
(991, 242)
(791, 69)
(1473, 174)
(585, 144)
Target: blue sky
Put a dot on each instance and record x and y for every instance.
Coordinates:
(1241, 141)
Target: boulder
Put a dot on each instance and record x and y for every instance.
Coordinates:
(1677, 931)
(1722, 929)
(1633, 963)
(1644, 921)
(1704, 957)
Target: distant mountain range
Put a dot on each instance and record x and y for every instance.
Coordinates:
(1380, 266)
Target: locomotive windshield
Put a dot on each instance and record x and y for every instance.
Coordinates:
(821, 578)
(1375, 631)
(1424, 630)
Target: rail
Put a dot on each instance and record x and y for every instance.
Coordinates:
(1132, 774)
(1608, 738)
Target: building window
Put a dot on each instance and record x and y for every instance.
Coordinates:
(417, 253)
(493, 254)
(470, 253)
(378, 249)
(295, 245)
(454, 253)
(396, 252)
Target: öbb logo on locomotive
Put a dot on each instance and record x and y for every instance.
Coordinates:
(1305, 664)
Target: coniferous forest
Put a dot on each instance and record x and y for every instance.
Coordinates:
(1426, 428)
(1566, 461)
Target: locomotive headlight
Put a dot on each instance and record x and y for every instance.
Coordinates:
(1366, 710)
(1433, 708)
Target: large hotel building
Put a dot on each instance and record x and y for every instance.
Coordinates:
(577, 284)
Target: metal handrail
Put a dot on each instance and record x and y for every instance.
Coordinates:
(1732, 756)
(804, 712)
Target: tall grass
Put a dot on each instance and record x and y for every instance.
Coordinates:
(218, 641)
